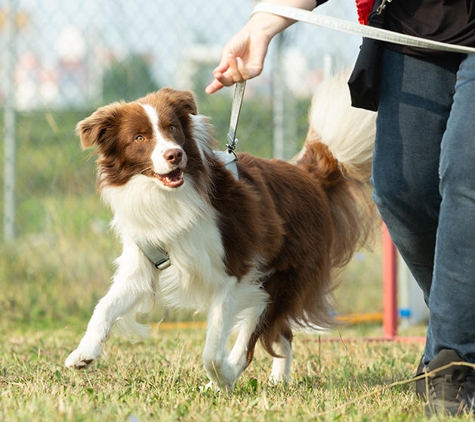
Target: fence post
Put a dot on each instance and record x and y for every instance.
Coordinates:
(9, 122)
(390, 314)
(278, 95)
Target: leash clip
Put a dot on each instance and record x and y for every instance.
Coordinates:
(231, 147)
(382, 6)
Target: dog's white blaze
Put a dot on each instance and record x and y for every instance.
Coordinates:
(160, 164)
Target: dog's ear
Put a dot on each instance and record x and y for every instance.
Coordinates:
(92, 129)
(188, 101)
(184, 100)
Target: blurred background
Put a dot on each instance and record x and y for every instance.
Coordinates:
(61, 59)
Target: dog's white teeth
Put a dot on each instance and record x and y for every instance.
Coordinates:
(174, 179)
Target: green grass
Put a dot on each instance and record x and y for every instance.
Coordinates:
(162, 379)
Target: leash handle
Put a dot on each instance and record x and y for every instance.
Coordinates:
(235, 112)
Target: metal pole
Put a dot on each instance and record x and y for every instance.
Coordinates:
(278, 106)
(9, 123)
(94, 50)
(285, 141)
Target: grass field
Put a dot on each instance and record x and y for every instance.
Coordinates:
(162, 379)
(46, 308)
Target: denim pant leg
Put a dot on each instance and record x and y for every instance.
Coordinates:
(452, 296)
(415, 101)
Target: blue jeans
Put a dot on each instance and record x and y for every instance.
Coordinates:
(424, 187)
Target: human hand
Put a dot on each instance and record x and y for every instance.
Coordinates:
(242, 59)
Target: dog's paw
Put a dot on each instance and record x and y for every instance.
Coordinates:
(221, 375)
(82, 358)
(211, 386)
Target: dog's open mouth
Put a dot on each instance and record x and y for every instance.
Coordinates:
(173, 179)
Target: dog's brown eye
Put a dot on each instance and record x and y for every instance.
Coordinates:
(139, 138)
(172, 128)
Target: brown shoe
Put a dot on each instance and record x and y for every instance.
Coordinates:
(422, 385)
(451, 391)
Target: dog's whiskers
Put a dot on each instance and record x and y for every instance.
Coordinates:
(149, 168)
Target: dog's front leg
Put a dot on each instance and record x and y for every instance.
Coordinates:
(113, 305)
(243, 349)
(124, 294)
(221, 318)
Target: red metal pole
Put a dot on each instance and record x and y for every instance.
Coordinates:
(390, 314)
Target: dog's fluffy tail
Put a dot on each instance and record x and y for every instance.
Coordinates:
(338, 152)
(348, 132)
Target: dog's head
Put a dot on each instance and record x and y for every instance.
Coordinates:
(159, 136)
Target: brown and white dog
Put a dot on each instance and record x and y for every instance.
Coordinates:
(256, 254)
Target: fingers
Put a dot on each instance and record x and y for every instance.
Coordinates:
(227, 73)
(223, 79)
(232, 72)
(213, 87)
(243, 70)
(223, 64)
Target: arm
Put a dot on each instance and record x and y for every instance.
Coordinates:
(243, 56)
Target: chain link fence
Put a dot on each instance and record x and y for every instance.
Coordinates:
(61, 59)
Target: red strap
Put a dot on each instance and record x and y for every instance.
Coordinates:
(364, 8)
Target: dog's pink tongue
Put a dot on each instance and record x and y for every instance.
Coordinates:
(173, 179)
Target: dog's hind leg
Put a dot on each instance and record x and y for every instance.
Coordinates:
(281, 365)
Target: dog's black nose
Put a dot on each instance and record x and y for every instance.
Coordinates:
(173, 155)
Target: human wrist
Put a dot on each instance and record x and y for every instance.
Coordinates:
(301, 4)
(269, 24)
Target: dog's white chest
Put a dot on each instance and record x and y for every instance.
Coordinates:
(197, 270)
